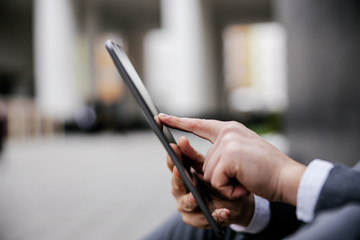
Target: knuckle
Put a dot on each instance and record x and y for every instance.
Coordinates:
(187, 205)
(178, 207)
(231, 149)
(195, 124)
(181, 206)
(231, 128)
(186, 219)
(235, 126)
(177, 189)
(215, 183)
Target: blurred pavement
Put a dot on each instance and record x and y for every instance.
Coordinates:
(85, 187)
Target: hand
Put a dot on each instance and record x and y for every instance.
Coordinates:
(238, 211)
(240, 161)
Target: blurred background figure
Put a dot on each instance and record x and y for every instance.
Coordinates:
(286, 69)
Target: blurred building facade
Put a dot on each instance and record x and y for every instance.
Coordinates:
(254, 61)
(323, 118)
(176, 46)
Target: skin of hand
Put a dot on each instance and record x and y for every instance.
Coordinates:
(236, 211)
(240, 161)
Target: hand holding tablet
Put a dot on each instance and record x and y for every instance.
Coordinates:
(138, 90)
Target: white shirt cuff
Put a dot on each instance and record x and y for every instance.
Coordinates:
(310, 187)
(259, 220)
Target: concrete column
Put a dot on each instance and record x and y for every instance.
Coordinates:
(54, 51)
(323, 120)
(187, 78)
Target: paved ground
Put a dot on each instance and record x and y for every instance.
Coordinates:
(84, 187)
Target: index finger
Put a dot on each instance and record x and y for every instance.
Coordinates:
(207, 129)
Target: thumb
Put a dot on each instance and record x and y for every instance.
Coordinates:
(194, 158)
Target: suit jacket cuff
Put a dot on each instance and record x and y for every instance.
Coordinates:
(310, 187)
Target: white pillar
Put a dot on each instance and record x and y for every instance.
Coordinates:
(55, 52)
(181, 59)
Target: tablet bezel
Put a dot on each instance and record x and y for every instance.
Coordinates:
(138, 90)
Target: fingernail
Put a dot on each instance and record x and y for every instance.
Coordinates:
(192, 199)
(163, 115)
(225, 214)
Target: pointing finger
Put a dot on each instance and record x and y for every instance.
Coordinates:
(207, 129)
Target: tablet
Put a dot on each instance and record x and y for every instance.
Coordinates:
(138, 90)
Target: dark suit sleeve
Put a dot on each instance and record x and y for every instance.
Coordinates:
(341, 187)
(283, 222)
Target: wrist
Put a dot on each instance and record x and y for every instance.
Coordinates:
(290, 177)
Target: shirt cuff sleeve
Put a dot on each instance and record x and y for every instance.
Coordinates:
(259, 220)
(310, 187)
